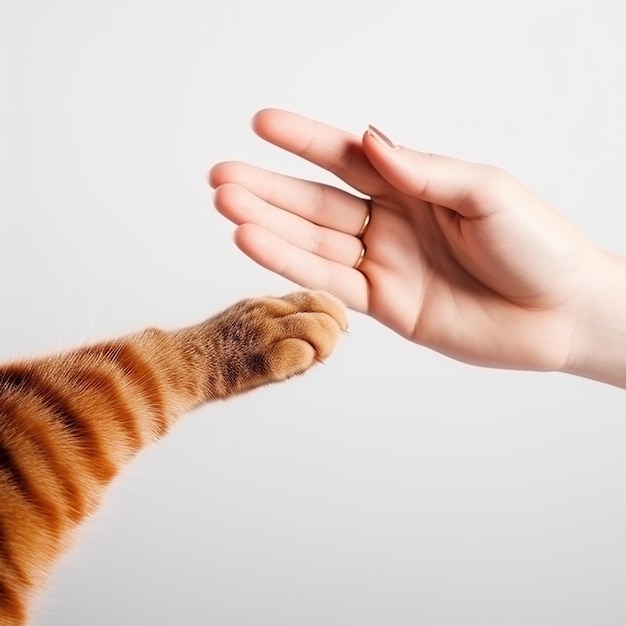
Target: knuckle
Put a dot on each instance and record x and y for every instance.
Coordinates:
(496, 178)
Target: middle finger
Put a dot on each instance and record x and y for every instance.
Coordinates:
(321, 204)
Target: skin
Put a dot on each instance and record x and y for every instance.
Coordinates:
(460, 257)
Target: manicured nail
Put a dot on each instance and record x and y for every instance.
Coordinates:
(372, 131)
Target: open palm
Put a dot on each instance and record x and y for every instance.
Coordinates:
(459, 257)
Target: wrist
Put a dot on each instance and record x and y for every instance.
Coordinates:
(598, 347)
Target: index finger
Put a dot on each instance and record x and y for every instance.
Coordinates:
(335, 150)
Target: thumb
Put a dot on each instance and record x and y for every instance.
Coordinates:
(465, 187)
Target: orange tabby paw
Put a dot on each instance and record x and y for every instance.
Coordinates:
(265, 340)
(311, 331)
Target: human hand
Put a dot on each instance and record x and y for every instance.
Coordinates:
(460, 257)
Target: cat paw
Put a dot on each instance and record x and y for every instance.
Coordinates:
(268, 340)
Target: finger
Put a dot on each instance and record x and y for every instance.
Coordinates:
(471, 189)
(302, 267)
(321, 204)
(241, 206)
(335, 150)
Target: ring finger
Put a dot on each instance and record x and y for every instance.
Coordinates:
(241, 206)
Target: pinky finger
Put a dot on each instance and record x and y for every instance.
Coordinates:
(302, 267)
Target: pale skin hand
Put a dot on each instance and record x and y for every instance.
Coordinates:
(460, 257)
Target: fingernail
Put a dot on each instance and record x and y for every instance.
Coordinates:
(372, 131)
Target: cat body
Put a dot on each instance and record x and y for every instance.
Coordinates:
(69, 423)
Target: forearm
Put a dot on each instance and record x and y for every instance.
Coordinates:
(599, 342)
(68, 424)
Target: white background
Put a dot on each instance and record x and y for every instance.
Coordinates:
(393, 485)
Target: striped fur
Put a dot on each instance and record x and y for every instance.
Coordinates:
(69, 423)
